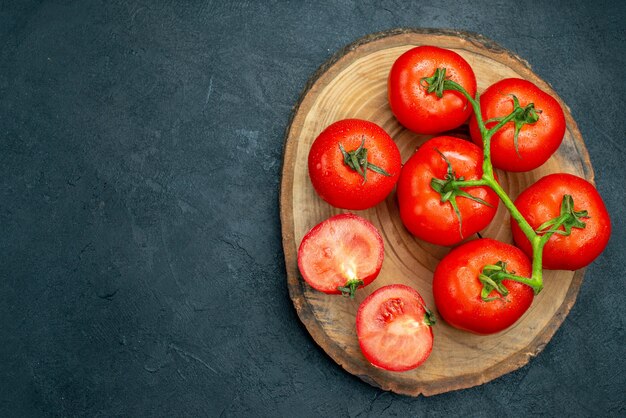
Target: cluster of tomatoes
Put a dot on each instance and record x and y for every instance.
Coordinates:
(354, 164)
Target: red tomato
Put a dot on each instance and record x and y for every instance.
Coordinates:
(342, 249)
(536, 142)
(541, 202)
(394, 328)
(457, 289)
(342, 185)
(424, 112)
(421, 209)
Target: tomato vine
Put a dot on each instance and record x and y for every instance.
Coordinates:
(493, 275)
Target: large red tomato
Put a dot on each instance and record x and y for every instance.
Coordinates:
(424, 112)
(354, 164)
(542, 202)
(421, 208)
(457, 288)
(537, 141)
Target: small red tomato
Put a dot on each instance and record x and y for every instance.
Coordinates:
(536, 142)
(421, 208)
(542, 202)
(457, 288)
(354, 164)
(394, 328)
(424, 112)
(340, 254)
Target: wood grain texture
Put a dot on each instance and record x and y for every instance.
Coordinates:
(353, 84)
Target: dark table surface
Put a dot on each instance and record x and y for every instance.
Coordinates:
(142, 270)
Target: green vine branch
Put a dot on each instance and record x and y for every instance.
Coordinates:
(492, 275)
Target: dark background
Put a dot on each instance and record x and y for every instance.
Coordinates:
(141, 266)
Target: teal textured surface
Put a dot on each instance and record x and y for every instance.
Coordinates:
(141, 266)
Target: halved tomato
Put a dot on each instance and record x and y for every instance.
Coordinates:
(394, 328)
(340, 254)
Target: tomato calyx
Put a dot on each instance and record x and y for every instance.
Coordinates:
(491, 278)
(521, 116)
(349, 289)
(429, 317)
(357, 161)
(438, 84)
(435, 83)
(449, 189)
(568, 219)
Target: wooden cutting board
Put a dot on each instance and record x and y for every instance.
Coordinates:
(353, 84)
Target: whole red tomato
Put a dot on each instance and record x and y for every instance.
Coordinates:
(457, 288)
(537, 141)
(421, 208)
(354, 164)
(424, 112)
(542, 201)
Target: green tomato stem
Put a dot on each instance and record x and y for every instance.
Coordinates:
(484, 132)
(488, 179)
(468, 183)
(493, 275)
(505, 120)
(525, 280)
(510, 206)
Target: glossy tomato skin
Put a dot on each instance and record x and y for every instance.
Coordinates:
(338, 184)
(392, 328)
(457, 289)
(542, 201)
(536, 142)
(424, 112)
(341, 248)
(421, 209)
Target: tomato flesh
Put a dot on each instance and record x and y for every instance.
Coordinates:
(392, 328)
(342, 248)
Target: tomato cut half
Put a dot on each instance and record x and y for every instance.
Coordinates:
(394, 328)
(341, 250)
